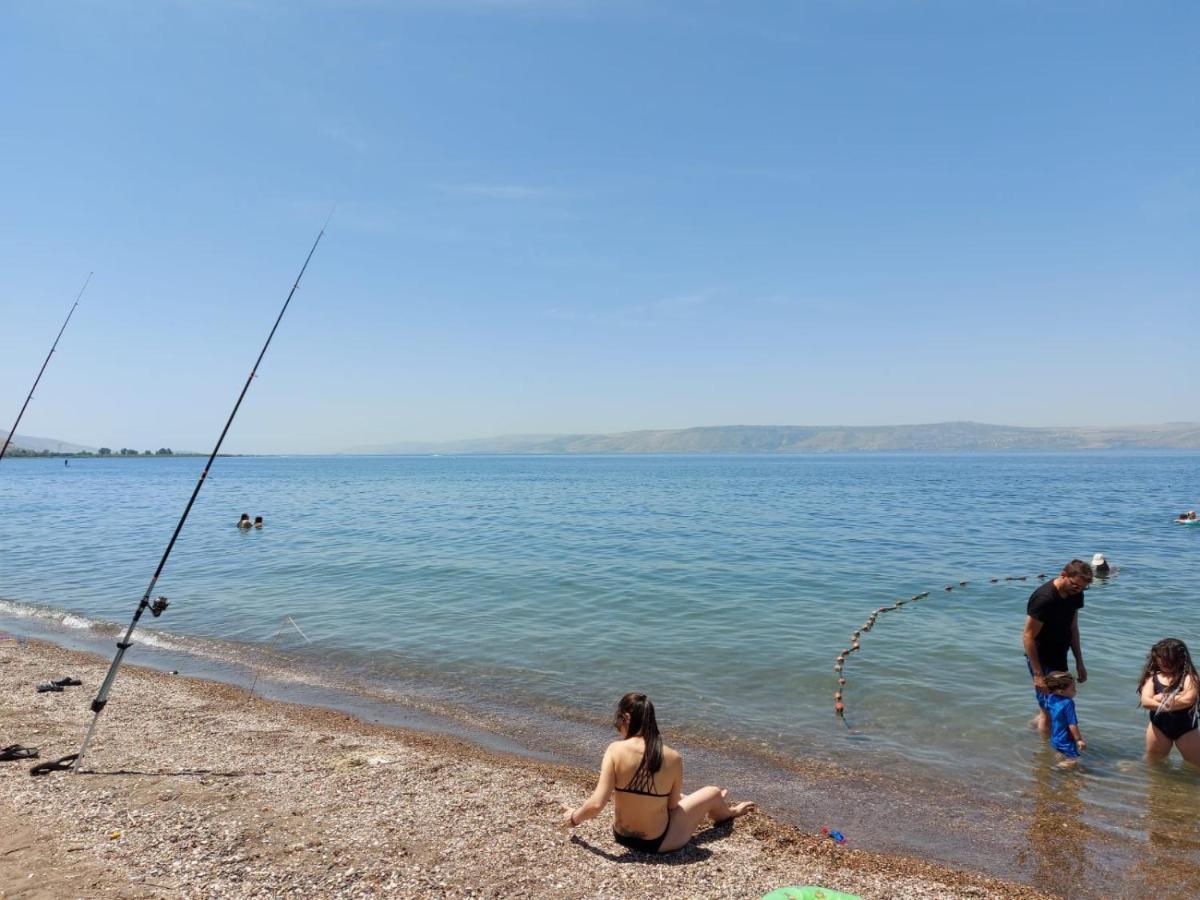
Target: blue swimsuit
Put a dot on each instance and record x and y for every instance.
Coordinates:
(1062, 716)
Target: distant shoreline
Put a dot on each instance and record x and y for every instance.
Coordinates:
(940, 437)
(84, 455)
(415, 454)
(943, 437)
(616, 454)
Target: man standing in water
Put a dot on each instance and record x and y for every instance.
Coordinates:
(1051, 626)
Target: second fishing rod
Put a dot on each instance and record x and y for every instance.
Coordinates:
(159, 605)
(13, 431)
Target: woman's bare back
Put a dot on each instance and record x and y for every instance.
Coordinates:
(637, 813)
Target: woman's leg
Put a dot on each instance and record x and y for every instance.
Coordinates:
(1189, 746)
(1158, 745)
(708, 801)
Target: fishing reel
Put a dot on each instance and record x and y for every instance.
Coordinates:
(158, 607)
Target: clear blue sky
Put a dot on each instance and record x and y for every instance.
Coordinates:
(597, 216)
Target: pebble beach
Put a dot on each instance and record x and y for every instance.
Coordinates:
(193, 789)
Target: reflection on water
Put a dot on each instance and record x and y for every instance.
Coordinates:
(1171, 863)
(1151, 849)
(1058, 831)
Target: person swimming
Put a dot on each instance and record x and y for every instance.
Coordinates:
(1100, 566)
(244, 521)
(258, 522)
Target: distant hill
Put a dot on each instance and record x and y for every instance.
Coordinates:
(37, 444)
(24, 445)
(961, 437)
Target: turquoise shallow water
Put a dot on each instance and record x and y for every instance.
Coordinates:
(723, 586)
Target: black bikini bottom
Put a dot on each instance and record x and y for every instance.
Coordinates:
(1173, 725)
(641, 844)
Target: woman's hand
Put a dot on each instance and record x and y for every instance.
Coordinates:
(1081, 744)
(568, 819)
(1150, 698)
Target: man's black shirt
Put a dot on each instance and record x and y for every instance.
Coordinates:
(1055, 612)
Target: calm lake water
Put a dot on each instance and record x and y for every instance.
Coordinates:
(722, 586)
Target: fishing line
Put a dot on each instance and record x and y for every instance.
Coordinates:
(8, 438)
(271, 643)
(157, 607)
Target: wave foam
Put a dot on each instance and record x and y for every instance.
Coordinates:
(21, 610)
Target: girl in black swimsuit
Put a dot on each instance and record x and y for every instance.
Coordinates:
(652, 813)
(1170, 689)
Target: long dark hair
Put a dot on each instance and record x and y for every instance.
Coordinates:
(1173, 653)
(642, 723)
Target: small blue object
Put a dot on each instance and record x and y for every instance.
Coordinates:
(836, 836)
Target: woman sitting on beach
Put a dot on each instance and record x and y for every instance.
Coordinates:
(1170, 689)
(651, 814)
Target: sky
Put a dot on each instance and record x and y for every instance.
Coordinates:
(567, 216)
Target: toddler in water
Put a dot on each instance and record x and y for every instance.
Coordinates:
(1064, 726)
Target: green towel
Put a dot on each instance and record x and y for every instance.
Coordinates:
(809, 892)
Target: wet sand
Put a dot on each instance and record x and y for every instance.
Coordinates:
(193, 790)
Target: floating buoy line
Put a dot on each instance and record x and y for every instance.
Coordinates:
(839, 664)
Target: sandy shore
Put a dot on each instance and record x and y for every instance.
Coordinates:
(191, 790)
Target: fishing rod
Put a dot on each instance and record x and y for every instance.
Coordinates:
(8, 438)
(159, 605)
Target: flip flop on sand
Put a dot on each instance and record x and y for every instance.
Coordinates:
(16, 751)
(49, 688)
(55, 765)
(67, 682)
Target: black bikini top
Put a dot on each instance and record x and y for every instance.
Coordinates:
(642, 786)
(627, 790)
